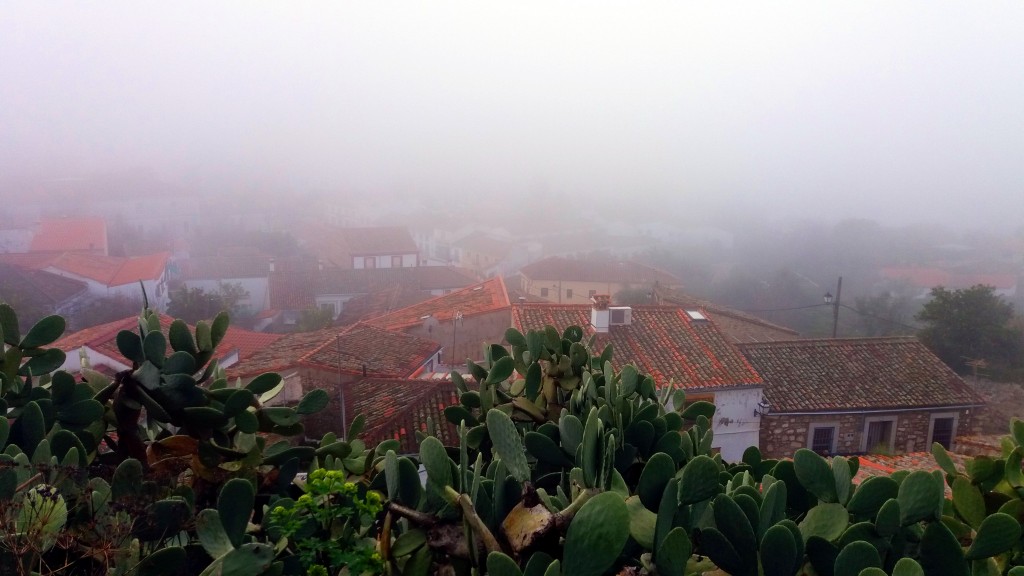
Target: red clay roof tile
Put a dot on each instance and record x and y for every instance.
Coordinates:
(375, 351)
(103, 338)
(737, 325)
(487, 296)
(855, 374)
(397, 408)
(111, 270)
(661, 340)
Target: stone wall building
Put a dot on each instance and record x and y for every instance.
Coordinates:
(860, 395)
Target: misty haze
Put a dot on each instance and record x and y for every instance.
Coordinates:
(794, 226)
(737, 148)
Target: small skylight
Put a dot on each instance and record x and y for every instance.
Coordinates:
(478, 288)
(696, 315)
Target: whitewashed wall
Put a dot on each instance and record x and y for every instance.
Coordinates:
(735, 425)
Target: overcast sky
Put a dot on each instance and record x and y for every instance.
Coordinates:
(895, 111)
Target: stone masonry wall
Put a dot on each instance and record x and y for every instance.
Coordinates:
(781, 435)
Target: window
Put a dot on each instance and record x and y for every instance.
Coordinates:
(878, 434)
(591, 293)
(370, 262)
(568, 293)
(821, 438)
(396, 261)
(942, 429)
(543, 292)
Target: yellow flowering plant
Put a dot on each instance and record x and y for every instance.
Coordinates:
(327, 527)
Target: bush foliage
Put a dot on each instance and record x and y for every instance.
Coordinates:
(563, 465)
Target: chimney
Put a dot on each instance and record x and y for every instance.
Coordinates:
(599, 313)
(272, 265)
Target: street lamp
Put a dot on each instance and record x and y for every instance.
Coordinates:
(456, 320)
(835, 305)
(763, 407)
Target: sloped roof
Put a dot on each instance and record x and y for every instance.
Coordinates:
(855, 374)
(103, 338)
(661, 340)
(737, 325)
(381, 353)
(37, 288)
(378, 240)
(283, 354)
(613, 271)
(298, 290)
(397, 408)
(111, 270)
(379, 302)
(70, 235)
(487, 296)
(247, 342)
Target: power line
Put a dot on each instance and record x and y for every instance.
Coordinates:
(889, 320)
(787, 309)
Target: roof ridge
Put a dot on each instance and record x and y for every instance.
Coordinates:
(832, 341)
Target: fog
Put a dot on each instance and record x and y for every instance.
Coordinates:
(896, 112)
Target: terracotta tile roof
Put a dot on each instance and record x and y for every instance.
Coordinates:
(379, 303)
(298, 290)
(103, 338)
(615, 271)
(855, 374)
(737, 325)
(382, 353)
(220, 267)
(281, 355)
(932, 277)
(37, 288)
(487, 296)
(378, 240)
(661, 340)
(247, 342)
(149, 267)
(986, 445)
(110, 270)
(882, 465)
(70, 235)
(396, 409)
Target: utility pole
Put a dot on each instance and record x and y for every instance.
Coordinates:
(456, 320)
(835, 305)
